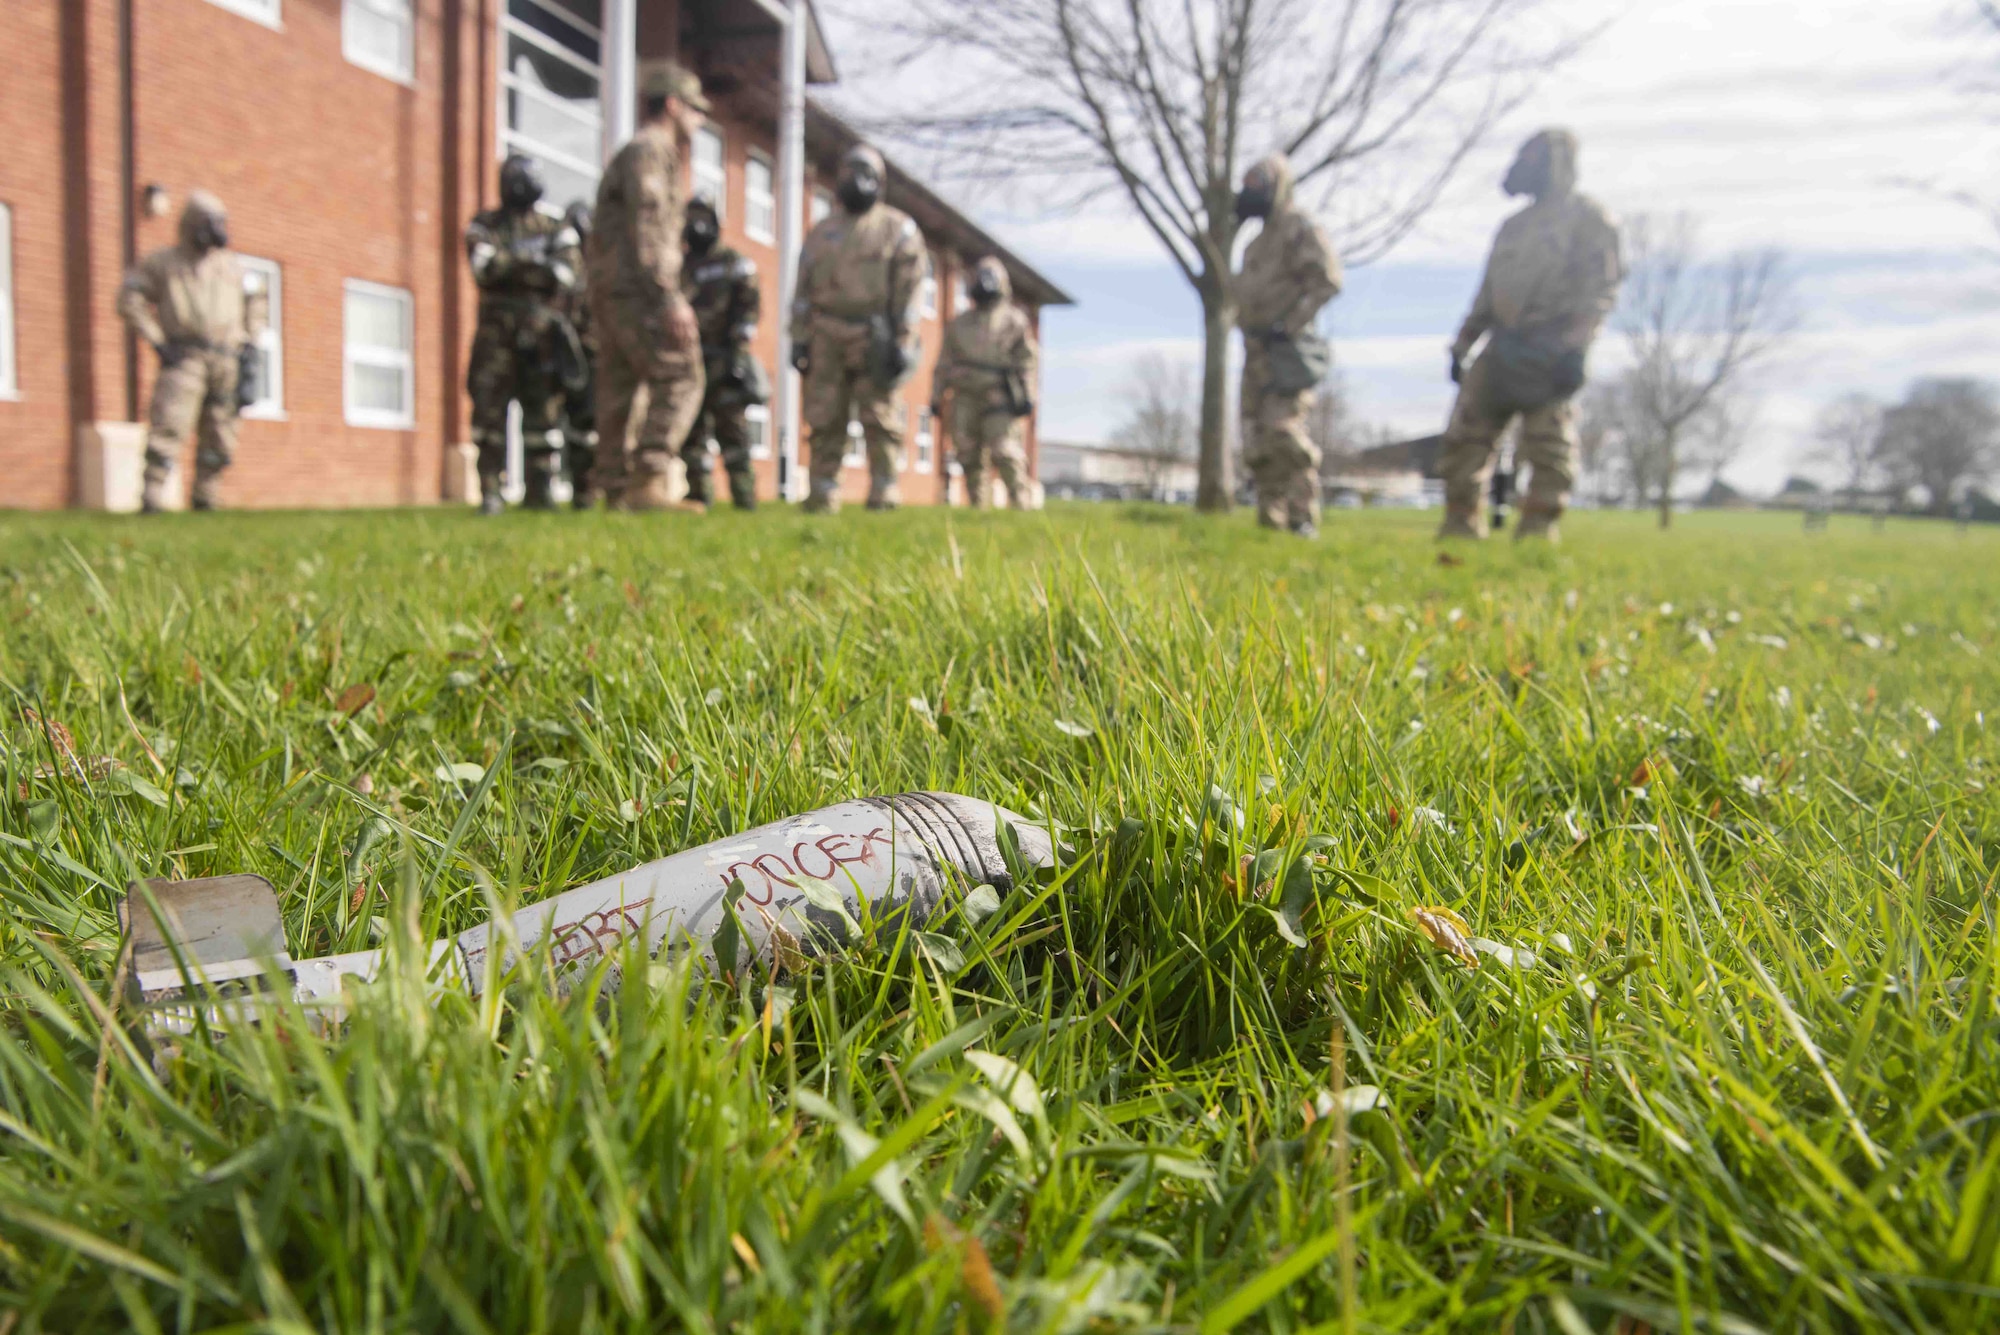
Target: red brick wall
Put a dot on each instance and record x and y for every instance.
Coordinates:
(34, 428)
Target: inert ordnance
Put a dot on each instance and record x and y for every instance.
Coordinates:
(775, 891)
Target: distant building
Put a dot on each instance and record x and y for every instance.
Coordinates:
(351, 141)
(1106, 473)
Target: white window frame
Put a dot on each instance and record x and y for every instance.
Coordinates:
(857, 447)
(926, 440)
(758, 417)
(270, 13)
(270, 405)
(392, 11)
(762, 204)
(404, 362)
(10, 366)
(960, 298)
(822, 206)
(510, 140)
(716, 179)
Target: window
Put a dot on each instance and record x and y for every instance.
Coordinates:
(379, 366)
(379, 35)
(927, 291)
(265, 276)
(857, 447)
(822, 205)
(760, 204)
(960, 298)
(550, 91)
(264, 11)
(757, 417)
(10, 372)
(926, 440)
(711, 178)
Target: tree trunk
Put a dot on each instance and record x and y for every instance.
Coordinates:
(1668, 471)
(1214, 494)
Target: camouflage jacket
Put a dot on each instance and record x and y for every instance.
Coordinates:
(522, 257)
(635, 245)
(853, 269)
(722, 288)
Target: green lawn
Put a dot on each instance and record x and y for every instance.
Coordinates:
(1715, 803)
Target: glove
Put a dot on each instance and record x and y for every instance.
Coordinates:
(1457, 369)
(802, 359)
(937, 408)
(1278, 331)
(1025, 408)
(1568, 374)
(899, 358)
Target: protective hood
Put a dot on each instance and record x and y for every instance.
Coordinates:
(1563, 150)
(995, 272)
(202, 219)
(1284, 181)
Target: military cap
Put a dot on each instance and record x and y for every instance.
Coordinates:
(666, 78)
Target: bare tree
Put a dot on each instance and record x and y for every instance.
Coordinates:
(1944, 433)
(1847, 437)
(1163, 426)
(1167, 102)
(1695, 329)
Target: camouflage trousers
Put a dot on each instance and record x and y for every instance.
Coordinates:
(723, 421)
(1547, 444)
(195, 396)
(512, 362)
(1281, 458)
(983, 433)
(579, 430)
(635, 352)
(839, 390)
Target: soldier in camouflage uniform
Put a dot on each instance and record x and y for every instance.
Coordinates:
(721, 285)
(525, 264)
(579, 419)
(859, 275)
(1289, 272)
(988, 365)
(646, 333)
(190, 303)
(1551, 281)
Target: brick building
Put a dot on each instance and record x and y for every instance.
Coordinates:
(352, 140)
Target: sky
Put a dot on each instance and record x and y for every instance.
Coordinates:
(1804, 126)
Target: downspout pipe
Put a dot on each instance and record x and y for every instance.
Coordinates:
(791, 226)
(621, 73)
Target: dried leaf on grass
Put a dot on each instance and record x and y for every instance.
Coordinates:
(355, 698)
(1447, 933)
(975, 1267)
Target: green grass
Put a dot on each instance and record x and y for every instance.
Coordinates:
(1729, 785)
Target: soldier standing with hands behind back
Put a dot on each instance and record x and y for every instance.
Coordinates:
(646, 334)
(1552, 279)
(188, 301)
(988, 364)
(524, 349)
(1289, 272)
(721, 285)
(859, 275)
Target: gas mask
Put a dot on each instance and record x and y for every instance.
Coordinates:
(701, 231)
(520, 184)
(860, 182)
(986, 289)
(211, 232)
(1530, 173)
(1256, 199)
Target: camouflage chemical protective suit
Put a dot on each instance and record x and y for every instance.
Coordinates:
(862, 264)
(189, 302)
(634, 275)
(721, 284)
(579, 414)
(984, 347)
(1289, 272)
(1552, 279)
(525, 264)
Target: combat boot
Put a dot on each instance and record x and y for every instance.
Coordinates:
(1460, 522)
(490, 501)
(823, 500)
(1538, 521)
(585, 497)
(743, 491)
(884, 496)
